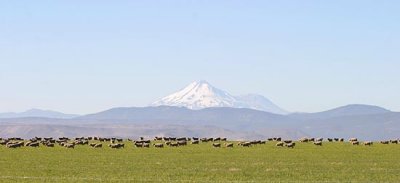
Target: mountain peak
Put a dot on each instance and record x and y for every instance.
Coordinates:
(202, 82)
(201, 94)
(202, 86)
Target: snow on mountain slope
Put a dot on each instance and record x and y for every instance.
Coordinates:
(199, 95)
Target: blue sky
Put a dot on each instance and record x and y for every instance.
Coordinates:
(87, 56)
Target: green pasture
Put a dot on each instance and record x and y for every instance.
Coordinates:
(333, 162)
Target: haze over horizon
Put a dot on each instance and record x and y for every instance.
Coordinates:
(303, 56)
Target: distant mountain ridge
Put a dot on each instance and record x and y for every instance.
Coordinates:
(38, 113)
(200, 95)
(362, 121)
(181, 115)
(348, 110)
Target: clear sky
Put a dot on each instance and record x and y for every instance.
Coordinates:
(86, 56)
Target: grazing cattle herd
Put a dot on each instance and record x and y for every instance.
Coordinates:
(161, 142)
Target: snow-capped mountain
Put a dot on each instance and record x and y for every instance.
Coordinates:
(199, 95)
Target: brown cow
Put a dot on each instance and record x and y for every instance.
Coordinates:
(29, 142)
(147, 145)
(12, 145)
(291, 145)
(49, 144)
(116, 146)
(138, 144)
(3, 142)
(394, 141)
(353, 139)
(288, 141)
(245, 144)
(69, 145)
(158, 145)
(174, 144)
(303, 139)
(280, 144)
(318, 143)
(182, 143)
(368, 143)
(228, 144)
(384, 142)
(34, 144)
(216, 145)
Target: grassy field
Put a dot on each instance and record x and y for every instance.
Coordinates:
(333, 162)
